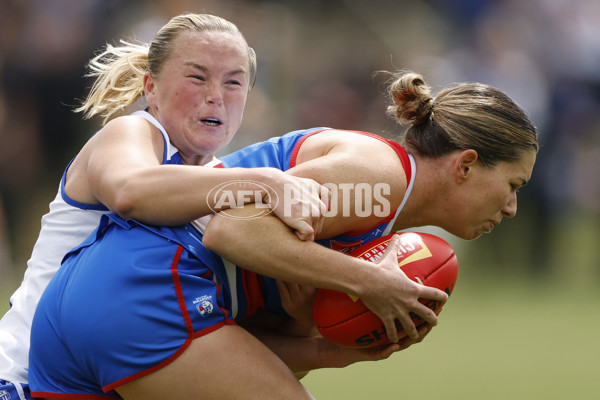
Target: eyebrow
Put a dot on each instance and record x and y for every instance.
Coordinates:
(204, 69)
(196, 66)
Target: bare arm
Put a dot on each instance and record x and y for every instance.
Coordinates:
(296, 340)
(121, 168)
(266, 246)
(309, 352)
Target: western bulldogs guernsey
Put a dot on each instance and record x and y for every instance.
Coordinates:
(173, 285)
(65, 226)
(128, 301)
(281, 153)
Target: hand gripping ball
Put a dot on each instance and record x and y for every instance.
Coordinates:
(345, 320)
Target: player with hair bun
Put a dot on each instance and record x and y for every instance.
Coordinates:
(465, 116)
(195, 76)
(176, 306)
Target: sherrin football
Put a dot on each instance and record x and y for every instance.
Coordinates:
(345, 320)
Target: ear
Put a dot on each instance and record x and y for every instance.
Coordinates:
(149, 88)
(464, 163)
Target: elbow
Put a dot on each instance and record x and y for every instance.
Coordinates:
(213, 238)
(124, 203)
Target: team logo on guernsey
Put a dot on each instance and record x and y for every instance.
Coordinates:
(4, 395)
(204, 305)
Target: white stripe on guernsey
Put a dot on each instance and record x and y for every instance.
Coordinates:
(413, 173)
(200, 223)
(20, 391)
(231, 271)
(150, 118)
(171, 150)
(212, 163)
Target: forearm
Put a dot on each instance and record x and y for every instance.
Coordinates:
(304, 354)
(300, 354)
(177, 194)
(293, 347)
(266, 246)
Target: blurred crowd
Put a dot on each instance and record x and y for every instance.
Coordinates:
(317, 61)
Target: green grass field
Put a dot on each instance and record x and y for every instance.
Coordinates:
(498, 338)
(495, 342)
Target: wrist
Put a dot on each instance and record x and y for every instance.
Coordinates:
(259, 181)
(264, 181)
(356, 276)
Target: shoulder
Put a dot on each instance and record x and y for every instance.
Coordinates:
(340, 159)
(360, 147)
(129, 130)
(129, 123)
(349, 156)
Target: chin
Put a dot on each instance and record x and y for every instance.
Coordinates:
(469, 235)
(466, 233)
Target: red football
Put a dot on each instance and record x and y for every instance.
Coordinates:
(345, 320)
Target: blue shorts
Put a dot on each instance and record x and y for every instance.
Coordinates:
(121, 309)
(14, 391)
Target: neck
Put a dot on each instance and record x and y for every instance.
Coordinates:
(429, 191)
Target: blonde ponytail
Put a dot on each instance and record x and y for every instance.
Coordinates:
(119, 73)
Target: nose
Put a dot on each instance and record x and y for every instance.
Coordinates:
(510, 209)
(214, 94)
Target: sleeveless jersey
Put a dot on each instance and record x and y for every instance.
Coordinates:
(146, 281)
(281, 153)
(143, 264)
(69, 222)
(65, 226)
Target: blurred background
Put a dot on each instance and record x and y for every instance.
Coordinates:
(523, 321)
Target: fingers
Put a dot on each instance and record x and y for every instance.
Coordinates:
(390, 258)
(408, 326)
(432, 297)
(325, 195)
(304, 231)
(428, 292)
(295, 290)
(426, 311)
(391, 251)
(385, 351)
(302, 207)
(297, 300)
(406, 342)
(313, 210)
(318, 226)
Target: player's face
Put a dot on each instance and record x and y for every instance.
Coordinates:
(200, 93)
(489, 195)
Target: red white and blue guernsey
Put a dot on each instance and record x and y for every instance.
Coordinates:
(65, 226)
(97, 324)
(281, 153)
(127, 302)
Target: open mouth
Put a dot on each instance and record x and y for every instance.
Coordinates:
(211, 121)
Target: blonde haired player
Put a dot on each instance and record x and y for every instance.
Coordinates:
(139, 171)
(472, 146)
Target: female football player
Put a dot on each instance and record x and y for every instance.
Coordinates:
(174, 306)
